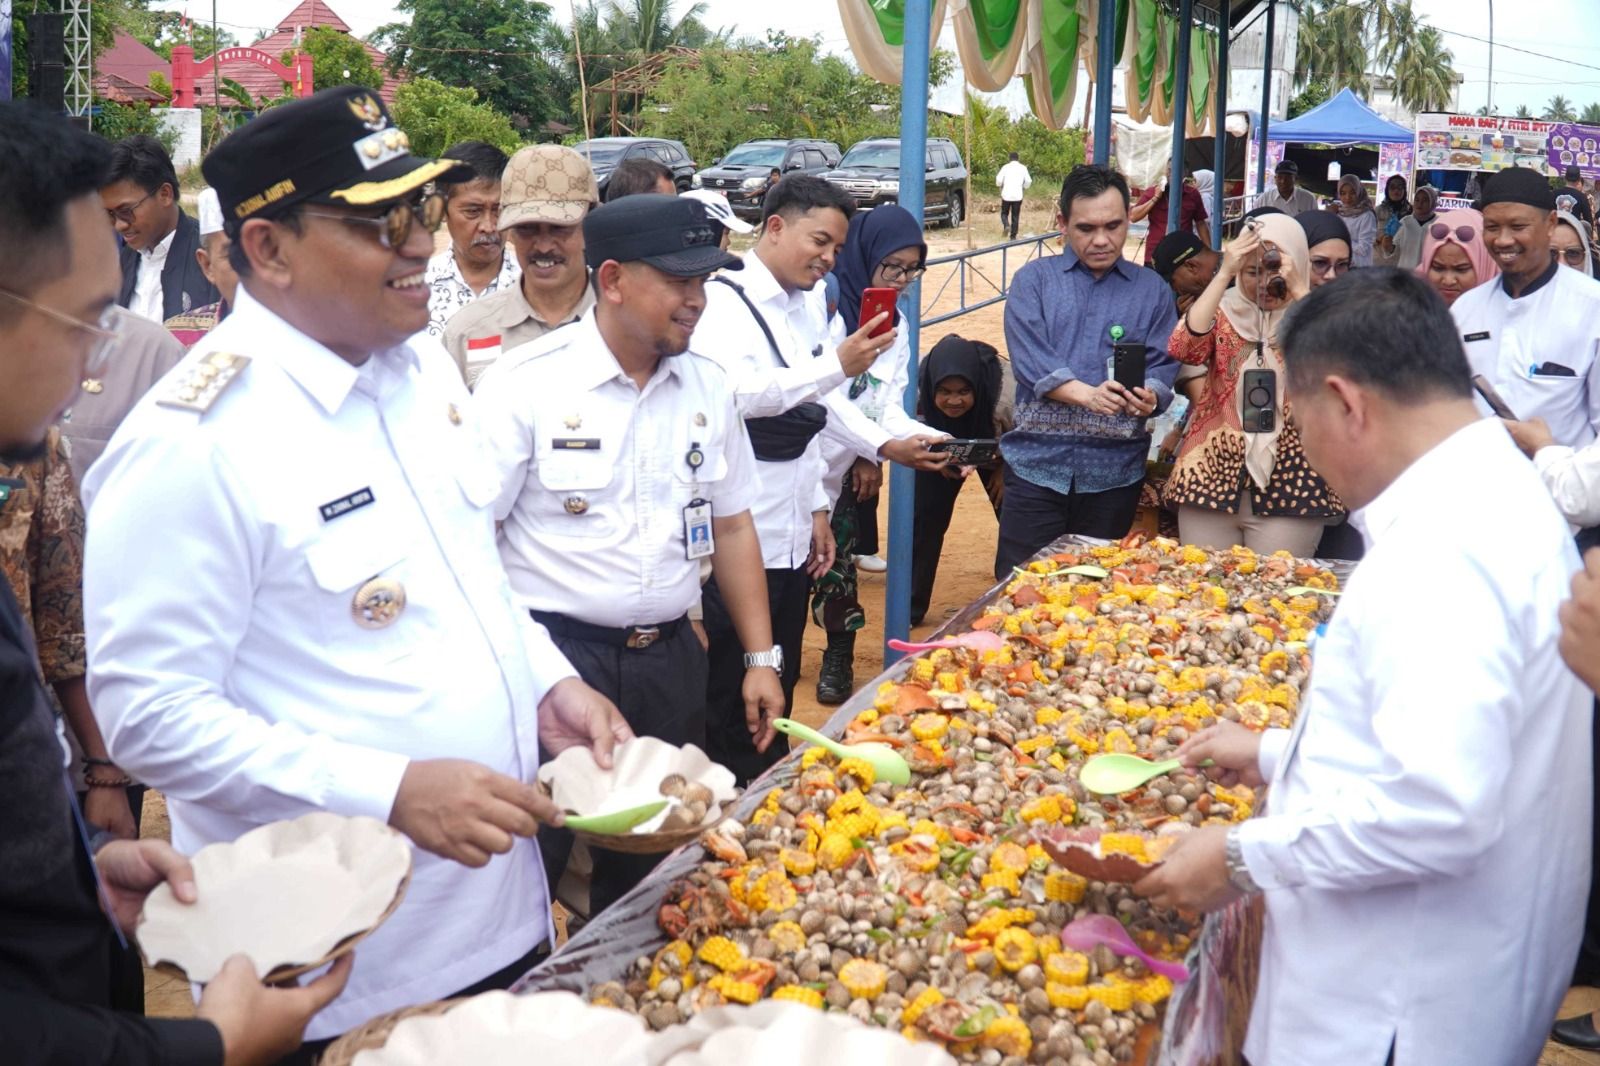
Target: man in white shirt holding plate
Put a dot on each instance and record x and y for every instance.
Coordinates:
(1424, 853)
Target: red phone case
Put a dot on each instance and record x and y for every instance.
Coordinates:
(875, 302)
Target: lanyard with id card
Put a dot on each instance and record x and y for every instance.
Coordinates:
(697, 539)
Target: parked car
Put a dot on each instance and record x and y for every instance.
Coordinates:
(604, 153)
(742, 174)
(870, 172)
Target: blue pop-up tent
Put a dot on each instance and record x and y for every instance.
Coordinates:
(1345, 119)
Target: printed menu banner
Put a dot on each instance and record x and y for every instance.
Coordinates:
(1574, 145)
(1486, 143)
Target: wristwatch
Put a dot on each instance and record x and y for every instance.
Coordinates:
(772, 658)
(1238, 873)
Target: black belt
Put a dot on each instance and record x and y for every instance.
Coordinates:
(639, 637)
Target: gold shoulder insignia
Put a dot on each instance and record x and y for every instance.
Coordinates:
(199, 388)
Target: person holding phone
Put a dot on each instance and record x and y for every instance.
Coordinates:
(1241, 476)
(883, 254)
(1075, 460)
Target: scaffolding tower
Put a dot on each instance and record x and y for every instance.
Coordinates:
(76, 39)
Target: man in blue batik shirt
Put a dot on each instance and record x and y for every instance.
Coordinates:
(1075, 461)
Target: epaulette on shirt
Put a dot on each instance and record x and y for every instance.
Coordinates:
(197, 388)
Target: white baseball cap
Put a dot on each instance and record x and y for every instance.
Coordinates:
(210, 209)
(718, 208)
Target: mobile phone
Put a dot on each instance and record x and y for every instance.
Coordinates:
(1260, 408)
(1492, 398)
(875, 302)
(968, 452)
(1127, 364)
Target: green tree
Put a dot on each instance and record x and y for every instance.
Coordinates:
(645, 27)
(115, 121)
(336, 59)
(1559, 109)
(166, 29)
(1590, 115)
(1523, 112)
(1049, 154)
(1315, 94)
(435, 116)
(1332, 44)
(1423, 74)
(510, 51)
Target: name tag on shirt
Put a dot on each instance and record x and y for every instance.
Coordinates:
(575, 444)
(345, 504)
(697, 540)
(1470, 337)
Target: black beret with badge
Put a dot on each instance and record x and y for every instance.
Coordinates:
(674, 234)
(338, 146)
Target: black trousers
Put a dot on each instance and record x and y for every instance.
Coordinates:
(127, 967)
(1013, 208)
(1033, 516)
(935, 504)
(309, 1052)
(661, 691)
(728, 739)
(866, 523)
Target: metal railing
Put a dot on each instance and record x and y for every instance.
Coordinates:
(973, 280)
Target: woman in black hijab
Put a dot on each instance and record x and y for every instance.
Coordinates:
(958, 389)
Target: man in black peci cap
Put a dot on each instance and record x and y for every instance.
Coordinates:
(1188, 264)
(293, 599)
(621, 462)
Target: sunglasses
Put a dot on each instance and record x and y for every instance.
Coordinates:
(395, 224)
(1321, 265)
(1465, 234)
(1571, 256)
(106, 330)
(124, 213)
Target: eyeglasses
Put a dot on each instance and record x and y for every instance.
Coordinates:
(1322, 265)
(396, 222)
(125, 212)
(1465, 234)
(891, 272)
(1573, 257)
(104, 332)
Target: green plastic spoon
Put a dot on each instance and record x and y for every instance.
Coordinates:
(1112, 775)
(885, 762)
(1303, 590)
(617, 822)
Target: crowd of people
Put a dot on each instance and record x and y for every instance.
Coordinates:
(303, 514)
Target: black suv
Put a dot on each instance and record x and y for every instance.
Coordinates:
(743, 173)
(604, 153)
(870, 172)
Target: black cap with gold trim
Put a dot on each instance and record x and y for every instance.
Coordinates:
(338, 146)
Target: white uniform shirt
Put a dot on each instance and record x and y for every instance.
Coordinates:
(1302, 201)
(448, 291)
(147, 295)
(791, 491)
(1425, 851)
(621, 559)
(1573, 477)
(1012, 180)
(858, 427)
(225, 664)
(1557, 322)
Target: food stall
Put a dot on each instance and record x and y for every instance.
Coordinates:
(1452, 149)
(941, 910)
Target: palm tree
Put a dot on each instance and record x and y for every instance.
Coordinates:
(1591, 115)
(1332, 44)
(647, 26)
(1423, 75)
(1523, 112)
(1559, 109)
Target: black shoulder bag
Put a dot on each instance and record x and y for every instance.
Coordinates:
(779, 438)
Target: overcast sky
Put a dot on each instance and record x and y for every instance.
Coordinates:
(1560, 30)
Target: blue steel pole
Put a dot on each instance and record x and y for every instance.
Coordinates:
(913, 185)
(1180, 115)
(1266, 99)
(1105, 66)
(1219, 155)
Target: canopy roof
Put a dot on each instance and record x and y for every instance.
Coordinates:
(1345, 119)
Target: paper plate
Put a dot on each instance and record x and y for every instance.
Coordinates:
(577, 784)
(291, 895)
(501, 1029)
(774, 1033)
(1079, 851)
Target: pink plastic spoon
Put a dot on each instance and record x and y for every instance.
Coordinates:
(1088, 933)
(978, 640)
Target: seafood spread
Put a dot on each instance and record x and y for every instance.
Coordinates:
(936, 910)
